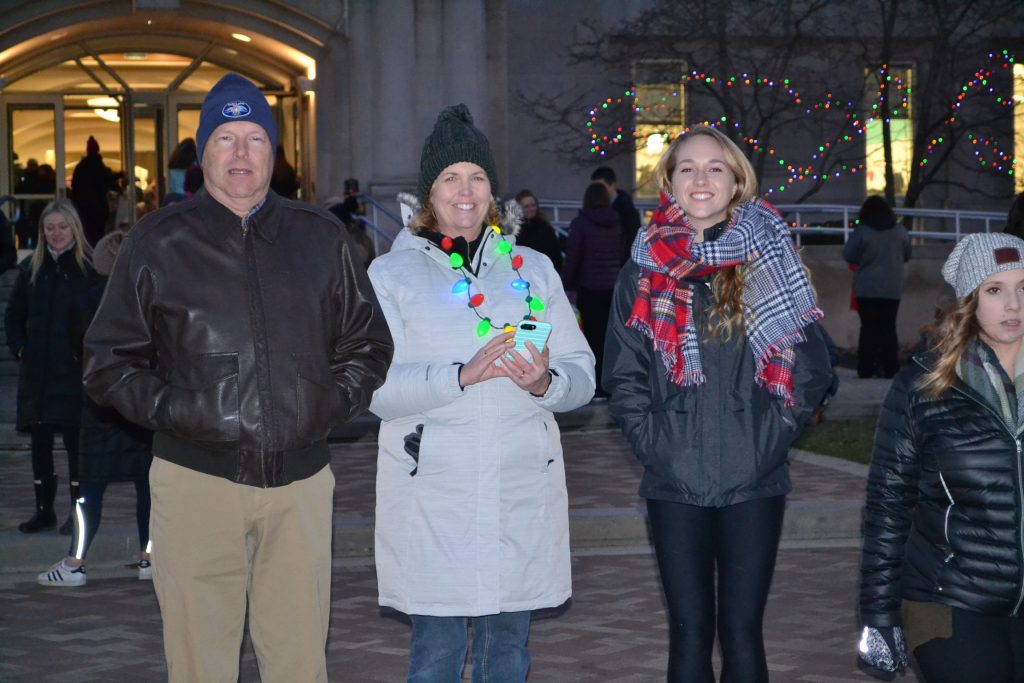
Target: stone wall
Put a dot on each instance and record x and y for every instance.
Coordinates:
(923, 290)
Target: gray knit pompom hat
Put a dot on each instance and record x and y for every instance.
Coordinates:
(978, 256)
(454, 139)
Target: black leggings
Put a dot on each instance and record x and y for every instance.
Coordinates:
(983, 648)
(90, 505)
(741, 541)
(42, 451)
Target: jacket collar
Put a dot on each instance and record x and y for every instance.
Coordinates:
(483, 260)
(265, 218)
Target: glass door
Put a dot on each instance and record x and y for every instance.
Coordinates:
(33, 172)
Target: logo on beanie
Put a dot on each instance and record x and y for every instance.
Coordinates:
(236, 110)
(1005, 255)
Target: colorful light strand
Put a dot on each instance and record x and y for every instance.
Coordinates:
(464, 285)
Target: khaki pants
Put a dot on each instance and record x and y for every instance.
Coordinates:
(217, 544)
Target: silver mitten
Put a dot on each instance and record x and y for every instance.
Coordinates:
(884, 648)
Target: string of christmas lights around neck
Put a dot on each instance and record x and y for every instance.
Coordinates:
(475, 300)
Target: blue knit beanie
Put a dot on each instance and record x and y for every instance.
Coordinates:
(234, 98)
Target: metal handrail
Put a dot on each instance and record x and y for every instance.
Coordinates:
(955, 221)
(11, 199)
(378, 206)
(375, 233)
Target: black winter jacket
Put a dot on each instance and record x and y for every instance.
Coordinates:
(239, 342)
(943, 516)
(43, 325)
(595, 251)
(721, 443)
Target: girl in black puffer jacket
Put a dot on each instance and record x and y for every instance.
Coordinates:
(941, 575)
(47, 300)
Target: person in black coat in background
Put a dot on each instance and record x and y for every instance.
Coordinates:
(594, 254)
(536, 232)
(942, 570)
(90, 182)
(112, 450)
(621, 201)
(49, 294)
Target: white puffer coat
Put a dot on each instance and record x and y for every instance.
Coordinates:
(482, 526)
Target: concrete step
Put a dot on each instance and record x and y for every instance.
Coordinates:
(353, 537)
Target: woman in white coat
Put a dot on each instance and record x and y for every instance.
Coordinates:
(472, 511)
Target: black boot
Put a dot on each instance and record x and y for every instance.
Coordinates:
(68, 527)
(43, 518)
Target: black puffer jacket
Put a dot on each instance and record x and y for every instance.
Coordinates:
(595, 252)
(43, 324)
(943, 517)
(239, 342)
(717, 444)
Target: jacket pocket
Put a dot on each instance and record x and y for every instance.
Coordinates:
(203, 403)
(316, 400)
(674, 444)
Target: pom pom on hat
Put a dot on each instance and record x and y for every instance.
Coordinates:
(234, 98)
(980, 255)
(454, 139)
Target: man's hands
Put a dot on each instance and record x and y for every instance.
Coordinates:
(497, 358)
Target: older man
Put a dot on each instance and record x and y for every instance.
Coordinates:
(240, 329)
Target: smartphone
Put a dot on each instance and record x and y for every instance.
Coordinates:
(534, 331)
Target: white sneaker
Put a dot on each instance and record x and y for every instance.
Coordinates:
(145, 570)
(62, 575)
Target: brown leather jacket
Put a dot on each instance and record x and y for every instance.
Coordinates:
(240, 342)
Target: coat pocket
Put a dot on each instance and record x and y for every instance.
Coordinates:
(203, 403)
(316, 400)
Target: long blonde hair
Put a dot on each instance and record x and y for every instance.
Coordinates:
(83, 251)
(948, 336)
(726, 315)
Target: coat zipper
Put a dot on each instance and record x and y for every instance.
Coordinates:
(1020, 494)
(1020, 533)
(259, 342)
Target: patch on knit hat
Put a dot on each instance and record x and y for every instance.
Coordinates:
(234, 98)
(454, 139)
(1006, 255)
(980, 255)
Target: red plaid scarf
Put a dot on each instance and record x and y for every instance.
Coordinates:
(663, 308)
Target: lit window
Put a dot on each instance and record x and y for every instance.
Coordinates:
(897, 82)
(1018, 127)
(660, 115)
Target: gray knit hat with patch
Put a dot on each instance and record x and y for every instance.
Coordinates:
(980, 255)
(454, 139)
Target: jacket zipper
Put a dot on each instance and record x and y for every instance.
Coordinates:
(259, 341)
(1020, 532)
(1020, 493)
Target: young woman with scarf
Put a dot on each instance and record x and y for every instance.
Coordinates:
(714, 363)
(942, 574)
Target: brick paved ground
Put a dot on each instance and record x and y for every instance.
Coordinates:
(613, 631)
(601, 473)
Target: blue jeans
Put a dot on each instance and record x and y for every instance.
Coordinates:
(437, 653)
